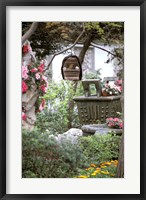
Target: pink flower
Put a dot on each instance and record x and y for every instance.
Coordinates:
(119, 82)
(120, 88)
(116, 119)
(42, 105)
(24, 72)
(41, 67)
(37, 76)
(24, 87)
(121, 125)
(43, 88)
(26, 48)
(114, 122)
(44, 78)
(34, 70)
(24, 116)
(111, 124)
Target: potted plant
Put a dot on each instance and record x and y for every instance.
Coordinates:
(112, 89)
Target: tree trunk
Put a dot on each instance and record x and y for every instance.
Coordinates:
(31, 30)
(75, 83)
(85, 48)
(71, 105)
(120, 168)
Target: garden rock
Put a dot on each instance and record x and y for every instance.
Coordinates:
(71, 135)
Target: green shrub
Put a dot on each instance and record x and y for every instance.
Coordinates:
(92, 74)
(43, 157)
(52, 122)
(100, 148)
(57, 116)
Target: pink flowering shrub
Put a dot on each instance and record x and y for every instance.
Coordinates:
(114, 123)
(33, 74)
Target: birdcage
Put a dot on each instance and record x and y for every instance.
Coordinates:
(71, 68)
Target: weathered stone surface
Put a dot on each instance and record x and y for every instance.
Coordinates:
(31, 116)
(27, 126)
(29, 99)
(29, 57)
(92, 109)
(86, 86)
(28, 95)
(93, 129)
(104, 131)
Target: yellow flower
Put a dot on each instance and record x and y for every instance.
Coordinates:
(88, 168)
(94, 174)
(112, 174)
(102, 166)
(82, 176)
(115, 162)
(97, 172)
(93, 165)
(98, 169)
(104, 172)
(107, 163)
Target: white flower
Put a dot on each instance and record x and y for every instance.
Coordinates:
(37, 76)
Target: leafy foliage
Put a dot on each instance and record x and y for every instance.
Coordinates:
(100, 148)
(54, 36)
(94, 74)
(43, 157)
(42, 41)
(52, 122)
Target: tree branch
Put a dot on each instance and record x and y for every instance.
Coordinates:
(60, 52)
(94, 45)
(31, 30)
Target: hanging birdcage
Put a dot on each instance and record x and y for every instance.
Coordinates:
(71, 68)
